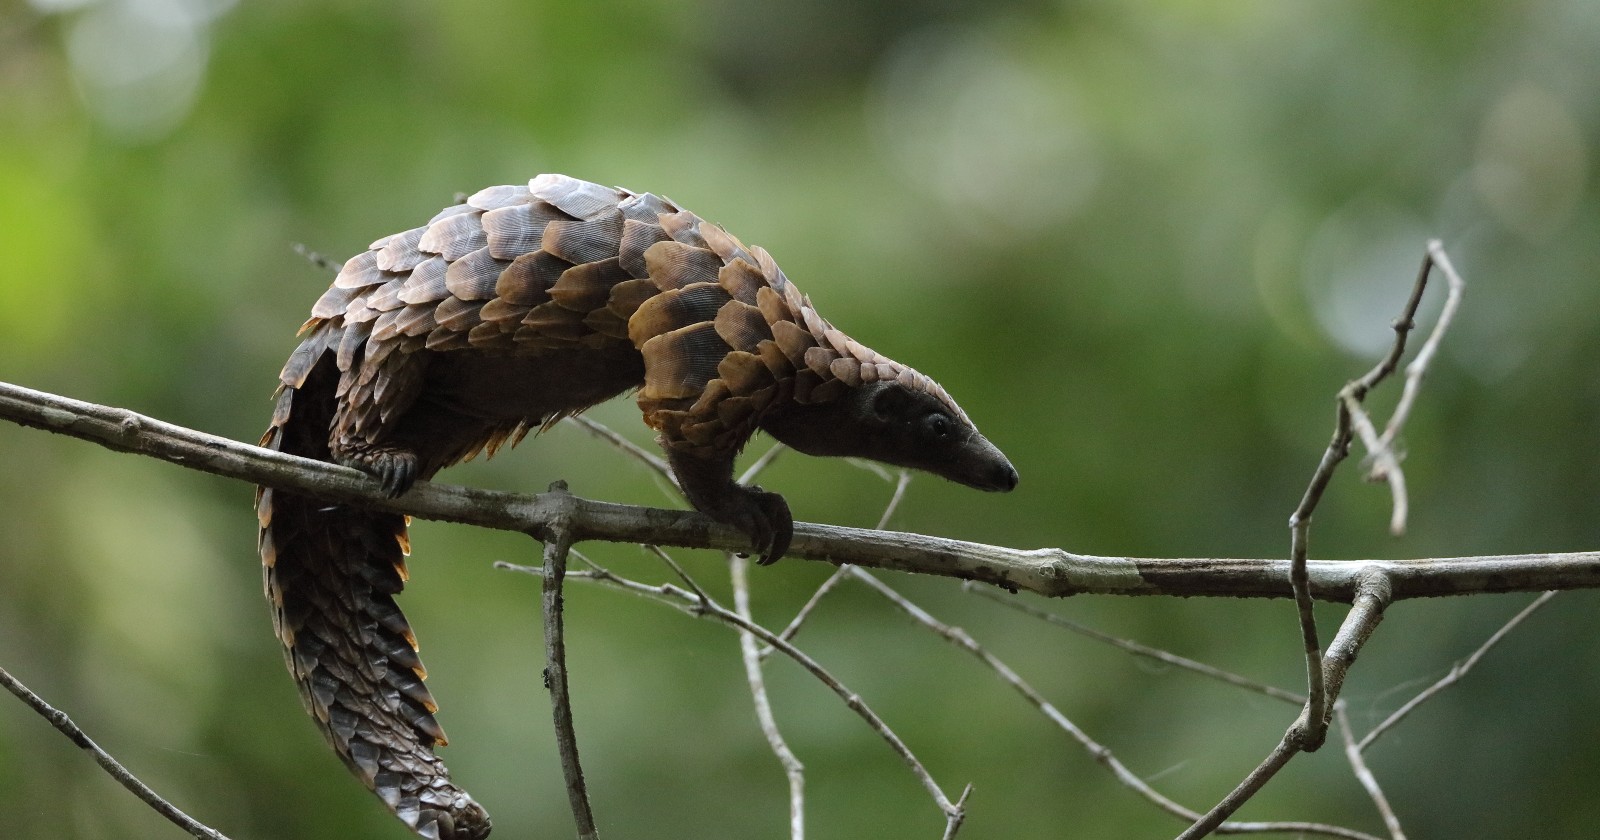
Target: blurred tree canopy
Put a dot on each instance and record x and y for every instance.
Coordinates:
(1142, 243)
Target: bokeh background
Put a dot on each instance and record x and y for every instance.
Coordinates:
(1142, 243)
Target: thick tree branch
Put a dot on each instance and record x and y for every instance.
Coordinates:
(1046, 571)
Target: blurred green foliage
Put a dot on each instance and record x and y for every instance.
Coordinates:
(1142, 243)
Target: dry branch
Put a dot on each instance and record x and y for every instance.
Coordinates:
(114, 768)
(1047, 571)
(555, 675)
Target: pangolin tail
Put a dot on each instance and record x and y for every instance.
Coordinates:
(331, 573)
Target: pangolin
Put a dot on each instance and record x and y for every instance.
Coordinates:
(501, 315)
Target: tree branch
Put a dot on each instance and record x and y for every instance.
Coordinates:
(65, 726)
(556, 550)
(700, 605)
(1047, 571)
(1457, 671)
(1307, 732)
(749, 653)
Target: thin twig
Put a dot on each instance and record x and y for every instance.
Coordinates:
(689, 604)
(1417, 370)
(953, 822)
(810, 605)
(1363, 774)
(1383, 460)
(839, 574)
(900, 485)
(555, 676)
(738, 568)
(1358, 626)
(1385, 464)
(627, 447)
(953, 634)
(1457, 671)
(1099, 752)
(1138, 649)
(682, 574)
(321, 261)
(1351, 396)
(1286, 749)
(704, 607)
(114, 768)
(1304, 734)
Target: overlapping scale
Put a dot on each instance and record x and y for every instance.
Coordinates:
(669, 310)
(513, 231)
(455, 236)
(585, 240)
(360, 271)
(400, 252)
(494, 198)
(527, 280)
(579, 199)
(637, 237)
(474, 276)
(673, 265)
(587, 287)
(426, 283)
(678, 364)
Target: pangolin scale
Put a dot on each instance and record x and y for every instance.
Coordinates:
(501, 315)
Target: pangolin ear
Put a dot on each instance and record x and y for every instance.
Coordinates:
(890, 403)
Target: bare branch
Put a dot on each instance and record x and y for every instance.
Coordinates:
(625, 446)
(555, 675)
(1358, 766)
(1099, 752)
(1419, 366)
(114, 768)
(954, 821)
(810, 605)
(839, 574)
(1138, 649)
(1350, 416)
(1307, 732)
(705, 607)
(317, 259)
(1358, 626)
(1384, 461)
(1046, 571)
(1458, 671)
(739, 568)
(900, 485)
(680, 572)
(1280, 755)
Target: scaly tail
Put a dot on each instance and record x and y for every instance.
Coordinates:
(332, 572)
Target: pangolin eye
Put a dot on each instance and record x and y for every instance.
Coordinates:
(937, 426)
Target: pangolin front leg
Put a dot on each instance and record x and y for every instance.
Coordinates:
(707, 482)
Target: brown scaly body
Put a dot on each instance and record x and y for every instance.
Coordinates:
(500, 316)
